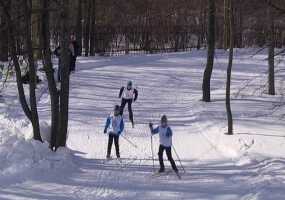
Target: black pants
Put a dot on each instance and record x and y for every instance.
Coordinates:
(169, 156)
(123, 104)
(110, 143)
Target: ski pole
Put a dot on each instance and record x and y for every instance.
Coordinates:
(152, 153)
(134, 145)
(178, 158)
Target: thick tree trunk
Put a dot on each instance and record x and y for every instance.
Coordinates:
(48, 67)
(271, 47)
(211, 52)
(32, 73)
(65, 60)
(229, 70)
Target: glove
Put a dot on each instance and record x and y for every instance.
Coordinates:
(105, 131)
(150, 125)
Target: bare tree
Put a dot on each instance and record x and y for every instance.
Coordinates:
(92, 28)
(31, 113)
(79, 26)
(87, 21)
(48, 68)
(226, 24)
(4, 37)
(32, 70)
(65, 62)
(271, 47)
(211, 51)
(230, 19)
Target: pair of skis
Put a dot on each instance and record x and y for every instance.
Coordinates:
(167, 173)
(118, 161)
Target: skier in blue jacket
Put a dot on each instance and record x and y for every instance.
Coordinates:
(165, 139)
(114, 127)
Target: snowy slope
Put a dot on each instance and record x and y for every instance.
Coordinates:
(248, 165)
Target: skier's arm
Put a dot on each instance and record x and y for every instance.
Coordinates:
(136, 94)
(121, 91)
(108, 122)
(122, 126)
(169, 132)
(153, 131)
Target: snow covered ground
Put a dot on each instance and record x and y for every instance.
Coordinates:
(249, 165)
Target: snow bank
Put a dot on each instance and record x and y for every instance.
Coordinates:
(18, 152)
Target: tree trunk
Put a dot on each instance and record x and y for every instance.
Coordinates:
(79, 27)
(48, 67)
(3, 38)
(239, 32)
(65, 61)
(211, 52)
(226, 24)
(229, 70)
(92, 29)
(87, 28)
(271, 47)
(32, 73)
(35, 28)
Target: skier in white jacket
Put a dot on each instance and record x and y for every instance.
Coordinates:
(128, 95)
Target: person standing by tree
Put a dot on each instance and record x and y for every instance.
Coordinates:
(128, 95)
(74, 52)
(165, 139)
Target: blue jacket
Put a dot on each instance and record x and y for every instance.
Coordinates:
(115, 124)
(165, 135)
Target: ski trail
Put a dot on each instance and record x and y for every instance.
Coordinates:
(217, 166)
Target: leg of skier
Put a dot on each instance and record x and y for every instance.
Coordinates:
(170, 158)
(123, 104)
(110, 143)
(116, 138)
(131, 116)
(160, 157)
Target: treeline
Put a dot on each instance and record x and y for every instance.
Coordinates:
(106, 26)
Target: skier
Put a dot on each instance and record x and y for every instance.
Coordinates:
(165, 138)
(128, 95)
(114, 127)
